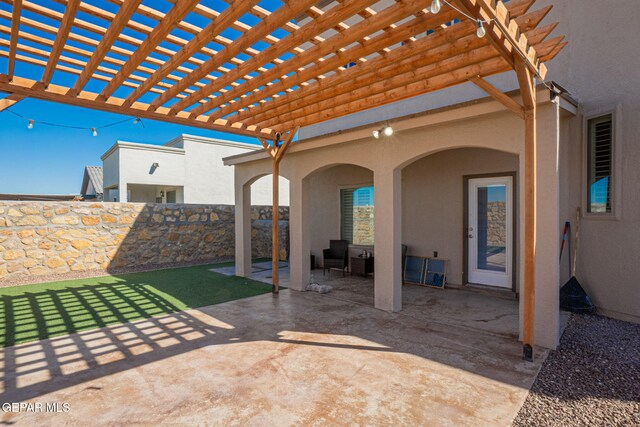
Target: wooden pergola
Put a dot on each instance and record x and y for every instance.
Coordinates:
(250, 71)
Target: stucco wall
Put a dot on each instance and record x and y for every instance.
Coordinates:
(191, 162)
(45, 238)
(207, 179)
(433, 201)
(599, 68)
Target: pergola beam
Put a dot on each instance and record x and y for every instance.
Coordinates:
(111, 35)
(439, 75)
(269, 55)
(159, 33)
(10, 100)
(231, 14)
(276, 151)
(63, 95)
(249, 38)
(443, 44)
(498, 95)
(15, 27)
(61, 40)
(389, 16)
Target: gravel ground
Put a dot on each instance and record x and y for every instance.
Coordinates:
(592, 379)
(28, 280)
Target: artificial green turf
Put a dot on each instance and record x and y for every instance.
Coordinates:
(38, 311)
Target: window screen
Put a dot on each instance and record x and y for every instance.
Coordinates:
(600, 164)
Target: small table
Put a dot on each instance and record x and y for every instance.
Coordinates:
(361, 266)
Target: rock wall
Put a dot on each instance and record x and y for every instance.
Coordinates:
(496, 224)
(363, 230)
(48, 238)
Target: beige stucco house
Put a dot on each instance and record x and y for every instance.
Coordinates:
(456, 156)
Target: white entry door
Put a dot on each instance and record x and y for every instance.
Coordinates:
(490, 231)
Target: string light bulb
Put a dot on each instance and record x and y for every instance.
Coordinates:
(481, 32)
(435, 6)
(30, 125)
(387, 130)
(94, 132)
(376, 134)
(136, 121)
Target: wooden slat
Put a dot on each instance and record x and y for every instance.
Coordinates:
(164, 27)
(440, 45)
(63, 95)
(422, 74)
(361, 50)
(61, 40)
(255, 34)
(498, 95)
(230, 14)
(15, 26)
(92, 43)
(503, 32)
(10, 100)
(122, 17)
(304, 34)
(418, 86)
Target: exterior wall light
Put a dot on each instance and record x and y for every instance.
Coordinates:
(385, 130)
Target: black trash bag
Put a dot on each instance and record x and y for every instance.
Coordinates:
(573, 298)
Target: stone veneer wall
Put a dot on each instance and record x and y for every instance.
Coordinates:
(363, 230)
(496, 224)
(47, 238)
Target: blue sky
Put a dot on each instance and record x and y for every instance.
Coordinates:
(50, 160)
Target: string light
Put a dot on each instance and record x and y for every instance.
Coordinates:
(94, 130)
(435, 6)
(481, 31)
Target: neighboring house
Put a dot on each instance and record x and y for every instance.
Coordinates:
(451, 177)
(92, 183)
(187, 169)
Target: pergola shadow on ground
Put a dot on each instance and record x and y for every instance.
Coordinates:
(292, 343)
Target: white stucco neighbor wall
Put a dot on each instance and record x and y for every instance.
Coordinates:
(194, 164)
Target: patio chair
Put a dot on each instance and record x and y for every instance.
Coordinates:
(337, 256)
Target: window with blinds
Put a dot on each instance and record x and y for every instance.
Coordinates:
(600, 164)
(356, 215)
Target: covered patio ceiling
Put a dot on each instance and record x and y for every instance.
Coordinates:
(245, 69)
(266, 68)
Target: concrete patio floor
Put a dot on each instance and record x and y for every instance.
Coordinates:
(491, 312)
(299, 358)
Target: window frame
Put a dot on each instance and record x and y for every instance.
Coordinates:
(614, 184)
(353, 186)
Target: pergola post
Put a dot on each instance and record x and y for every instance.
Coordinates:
(527, 89)
(276, 152)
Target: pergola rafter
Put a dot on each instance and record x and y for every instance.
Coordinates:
(263, 73)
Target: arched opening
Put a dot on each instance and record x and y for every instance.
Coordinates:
(341, 208)
(254, 221)
(459, 224)
(261, 229)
